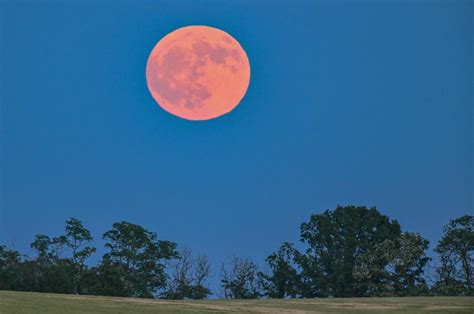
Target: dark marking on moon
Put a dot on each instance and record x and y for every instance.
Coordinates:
(178, 60)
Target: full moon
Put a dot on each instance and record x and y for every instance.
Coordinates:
(198, 73)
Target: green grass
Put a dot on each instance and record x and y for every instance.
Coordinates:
(29, 302)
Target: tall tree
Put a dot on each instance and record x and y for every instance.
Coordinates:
(335, 239)
(77, 239)
(138, 257)
(456, 253)
(283, 280)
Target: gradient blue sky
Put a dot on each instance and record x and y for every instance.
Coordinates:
(349, 103)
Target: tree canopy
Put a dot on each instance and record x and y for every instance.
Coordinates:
(349, 251)
(456, 253)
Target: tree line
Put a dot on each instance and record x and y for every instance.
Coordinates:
(351, 251)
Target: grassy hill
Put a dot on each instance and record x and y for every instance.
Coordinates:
(28, 302)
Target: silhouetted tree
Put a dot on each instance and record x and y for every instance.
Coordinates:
(456, 250)
(284, 280)
(77, 240)
(189, 277)
(241, 280)
(137, 257)
(335, 240)
(350, 251)
(347, 255)
(201, 273)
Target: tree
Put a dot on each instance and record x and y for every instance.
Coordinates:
(189, 277)
(77, 239)
(137, 257)
(456, 250)
(50, 270)
(284, 279)
(241, 280)
(42, 247)
(201, 273)
(335, 240)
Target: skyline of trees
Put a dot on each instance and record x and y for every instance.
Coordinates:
(350, 251)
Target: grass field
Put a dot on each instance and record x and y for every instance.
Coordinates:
(28, 302)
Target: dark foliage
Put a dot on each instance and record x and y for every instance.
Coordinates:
(284, 280)
(456, 254)
(351, 251)
(136, 260)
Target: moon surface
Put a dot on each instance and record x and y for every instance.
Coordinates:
(198, 73)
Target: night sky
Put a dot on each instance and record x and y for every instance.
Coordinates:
(349, 103)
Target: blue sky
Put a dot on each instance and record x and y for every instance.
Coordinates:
(349, 103)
